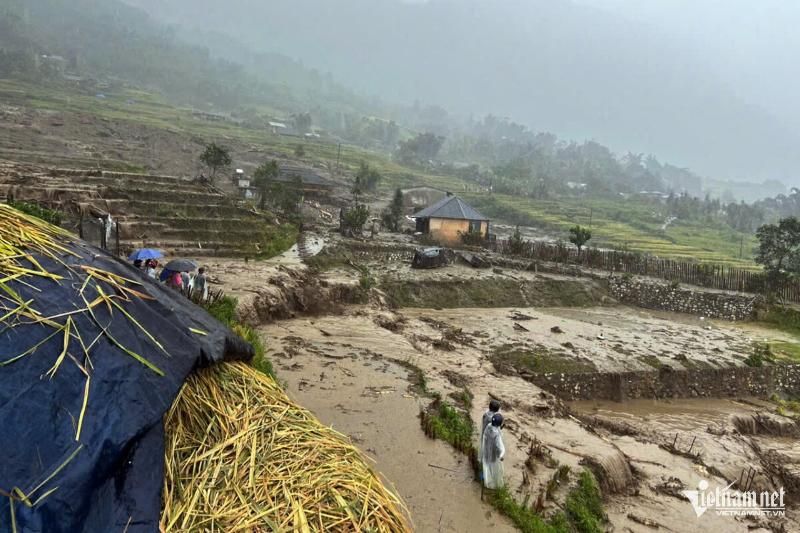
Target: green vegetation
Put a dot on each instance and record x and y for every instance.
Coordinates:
(579, 236)
(761, 354)
(215, 157)
(224, 310)
(276, 239)
(583, 510)
(392, 217)
(488, 292)
(516, 245)
(513, 359)
(48, 215)
(463, 398)
(447, 423)
(585, 505)
(626, 224)
(786, 407)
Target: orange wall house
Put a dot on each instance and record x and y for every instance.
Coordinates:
(449, 218)
(448, 230)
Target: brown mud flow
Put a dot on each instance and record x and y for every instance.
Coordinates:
(344, 367)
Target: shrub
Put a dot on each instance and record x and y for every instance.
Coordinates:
(35, 210)
(472, 238)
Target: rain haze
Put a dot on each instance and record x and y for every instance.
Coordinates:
(399, 265)
(708, 85)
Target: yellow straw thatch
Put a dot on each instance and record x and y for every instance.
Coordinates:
(241, 456)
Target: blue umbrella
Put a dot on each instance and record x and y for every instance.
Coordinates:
(144, 254)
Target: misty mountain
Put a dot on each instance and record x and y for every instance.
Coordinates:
(571, 69)
(111, 39)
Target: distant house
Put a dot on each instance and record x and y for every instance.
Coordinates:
(278, 127)
(448, 218)
(313, 184)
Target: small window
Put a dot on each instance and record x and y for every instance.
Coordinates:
(474, 226)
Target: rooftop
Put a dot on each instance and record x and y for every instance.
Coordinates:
(450, 207)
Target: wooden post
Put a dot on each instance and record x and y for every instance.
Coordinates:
(116, 227)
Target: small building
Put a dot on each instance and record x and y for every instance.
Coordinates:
(312, 183)
(449, 218)
(278, 127)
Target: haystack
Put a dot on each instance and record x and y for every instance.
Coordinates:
(93, 356)
(241, 456)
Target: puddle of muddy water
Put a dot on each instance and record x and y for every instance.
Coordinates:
(367, 399)
(669, 416)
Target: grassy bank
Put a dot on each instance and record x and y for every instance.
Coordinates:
(512, 359)
(625, 224)
(583, 509)
(224, 310)
(490, 292)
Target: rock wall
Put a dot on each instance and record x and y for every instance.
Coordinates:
(653, 294)
(669, 383)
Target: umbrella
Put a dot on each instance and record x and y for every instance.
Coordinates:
(181, 265)
(144, 254)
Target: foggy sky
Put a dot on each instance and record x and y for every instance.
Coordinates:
(753, 45)
(707, 84)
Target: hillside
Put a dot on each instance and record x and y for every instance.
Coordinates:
(105, 39)
(132, 130)
(555, 65)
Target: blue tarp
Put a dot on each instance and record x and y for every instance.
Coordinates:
(110, 477)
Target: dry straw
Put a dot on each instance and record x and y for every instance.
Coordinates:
(241, 456)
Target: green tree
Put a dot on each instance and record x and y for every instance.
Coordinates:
(367, 177)
(287, 197)
(579, 236)
(420, 149)
(263, 178)
(393, 217)
(216, 157)
(302, 122)
(779, 252)
(516, 245)
(299, 150)
(353, 219)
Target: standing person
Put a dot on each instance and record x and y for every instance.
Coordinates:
(494, 407)
(186, 284)
(492, 454)
(200, 285)
(150, 268)
(175, 280)
(138, 264)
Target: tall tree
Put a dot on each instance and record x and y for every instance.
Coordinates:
(779, 252)
(579, 236)
(420, 149)
(215, 157)
(393, 216)
(302, 122)
(263, 178)
(368, 177)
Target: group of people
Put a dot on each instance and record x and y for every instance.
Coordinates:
(492, 451)
(194, 286)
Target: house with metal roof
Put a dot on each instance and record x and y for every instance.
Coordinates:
(449, 218)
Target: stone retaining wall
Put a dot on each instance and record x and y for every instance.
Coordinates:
(653, 294)
(668, 383)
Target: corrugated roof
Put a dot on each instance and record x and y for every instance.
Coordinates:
(450, 207)
(309, 176)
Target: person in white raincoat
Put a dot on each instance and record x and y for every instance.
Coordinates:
(486, 420)
(492, 453)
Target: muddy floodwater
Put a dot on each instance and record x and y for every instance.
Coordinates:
(367, 399)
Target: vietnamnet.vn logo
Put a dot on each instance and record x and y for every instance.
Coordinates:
(725, 501)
